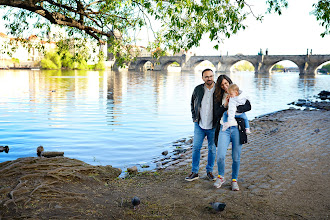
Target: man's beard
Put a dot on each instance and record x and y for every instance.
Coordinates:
(210, 82)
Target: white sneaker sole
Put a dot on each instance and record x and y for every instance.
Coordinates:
(189, 180)
(218, 186)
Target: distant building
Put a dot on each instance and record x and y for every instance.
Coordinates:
(23, 53)
(35, 52)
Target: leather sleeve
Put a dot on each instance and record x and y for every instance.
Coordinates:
(193, 106)
(244, 108)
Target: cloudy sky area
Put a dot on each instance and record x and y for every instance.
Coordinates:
(289, 34)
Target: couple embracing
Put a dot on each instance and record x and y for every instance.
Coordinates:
(218, 114)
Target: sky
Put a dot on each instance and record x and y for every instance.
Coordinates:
(291, 33)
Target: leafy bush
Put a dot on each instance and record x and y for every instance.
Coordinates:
(66, 58)
(82, 65)
(15, 60)
(51, 61)
(99, 66)
(48, 64)
(327, 67)
(244, 66)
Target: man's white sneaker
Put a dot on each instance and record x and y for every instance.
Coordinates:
(234, 185)
(220, 180)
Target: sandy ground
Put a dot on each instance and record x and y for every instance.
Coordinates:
(284, 175)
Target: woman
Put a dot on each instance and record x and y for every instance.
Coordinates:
(223, 138)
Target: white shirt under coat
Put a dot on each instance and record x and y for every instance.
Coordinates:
(206, 111)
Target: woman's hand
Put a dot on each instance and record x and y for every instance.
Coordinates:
(226, 102)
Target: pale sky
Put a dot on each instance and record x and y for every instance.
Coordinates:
(289, 34)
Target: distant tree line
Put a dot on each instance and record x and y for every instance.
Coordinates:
(71, 55)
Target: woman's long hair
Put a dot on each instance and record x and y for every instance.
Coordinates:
(218, 90)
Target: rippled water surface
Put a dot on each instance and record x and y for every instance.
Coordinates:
(120, 118)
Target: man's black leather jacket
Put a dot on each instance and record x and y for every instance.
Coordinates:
(196, 101)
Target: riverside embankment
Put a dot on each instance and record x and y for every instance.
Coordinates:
(284, 175)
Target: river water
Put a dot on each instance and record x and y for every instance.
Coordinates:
(121, 118)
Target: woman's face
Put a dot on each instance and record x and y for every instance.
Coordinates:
(224, 85)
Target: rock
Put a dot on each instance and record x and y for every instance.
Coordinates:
(218, 206)
(145, 166)
(177, 157)
(49, 154)
(132, 170)
(4, 149)
(190, 141)
(323, 95)
(317, 130)
(40, 149)
(165, 152)
(301, 102)
(181, 140)
(178, 151)
(274, 130)
(159, 165)
(58, 207)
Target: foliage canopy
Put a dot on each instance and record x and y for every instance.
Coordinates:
(182, 22)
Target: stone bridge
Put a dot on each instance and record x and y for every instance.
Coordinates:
(307, 64)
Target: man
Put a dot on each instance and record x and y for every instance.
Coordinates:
(202, 115)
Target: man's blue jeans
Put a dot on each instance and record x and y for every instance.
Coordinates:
(199, 135)
(225, 137)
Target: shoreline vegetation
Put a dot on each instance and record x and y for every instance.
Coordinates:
(284, 175)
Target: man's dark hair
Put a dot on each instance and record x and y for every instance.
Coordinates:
(206, 70)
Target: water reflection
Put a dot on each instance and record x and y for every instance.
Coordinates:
(120, 118)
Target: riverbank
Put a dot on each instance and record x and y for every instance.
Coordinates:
(284, 175)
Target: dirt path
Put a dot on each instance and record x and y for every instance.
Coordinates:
(284, 175)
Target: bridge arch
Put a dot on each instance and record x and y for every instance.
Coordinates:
(140, 64)
(196, 65)
(242, 64)
(165, 65)
(293, 66)
(320, 70)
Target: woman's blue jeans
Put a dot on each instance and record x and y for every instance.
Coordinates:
(225, 137)
(199, 135)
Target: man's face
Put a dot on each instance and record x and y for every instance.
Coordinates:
(208, 77)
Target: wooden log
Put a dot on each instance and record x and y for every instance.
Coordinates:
(52, 153)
